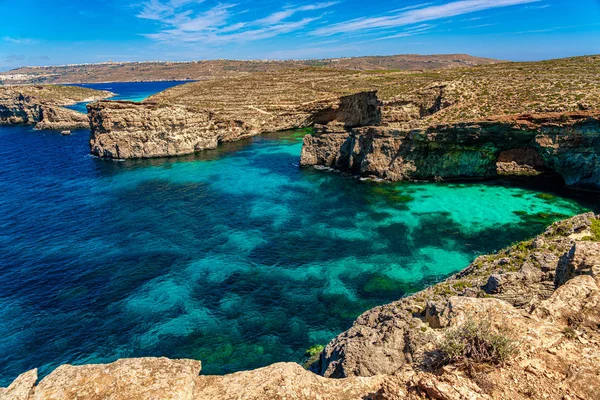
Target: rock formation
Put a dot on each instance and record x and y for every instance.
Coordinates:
(42, 106)
(544, 294)
(566, 143)
(150, 129)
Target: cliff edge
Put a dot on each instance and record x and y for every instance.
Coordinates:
(567, 144)
(42, 106)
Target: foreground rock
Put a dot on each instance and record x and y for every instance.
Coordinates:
(543, 294)
(42, 106)
(142, 130)
(566, 143)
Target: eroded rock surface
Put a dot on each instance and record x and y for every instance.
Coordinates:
(544, 294)
(568, 144)
(42, 106)
(152, 129)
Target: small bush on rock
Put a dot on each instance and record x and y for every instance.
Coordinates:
(595, 229)
(476, 342)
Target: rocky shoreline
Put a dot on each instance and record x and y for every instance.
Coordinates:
(543, 294)
(124, 130)
(43, 106)
(565, 143)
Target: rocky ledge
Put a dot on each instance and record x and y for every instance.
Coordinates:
(535, 307)
(566, 143)
(42, 106)
(142, 130)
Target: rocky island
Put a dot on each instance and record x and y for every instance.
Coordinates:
(43, 105)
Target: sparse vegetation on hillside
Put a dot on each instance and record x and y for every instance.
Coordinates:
(198, 70)
(413, 99)
(58, 94)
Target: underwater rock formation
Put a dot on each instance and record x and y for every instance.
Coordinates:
(566, 143)
(543, 295)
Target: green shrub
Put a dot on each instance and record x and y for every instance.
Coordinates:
(595, 228)
(476, 342)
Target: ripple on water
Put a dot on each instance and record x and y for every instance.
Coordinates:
(236, 257)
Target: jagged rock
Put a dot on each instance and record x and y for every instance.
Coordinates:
(21, 388)
(143, 130)
(568, 146)
(582, 259)
(386, 337)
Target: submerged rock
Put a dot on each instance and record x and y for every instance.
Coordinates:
(392, 351)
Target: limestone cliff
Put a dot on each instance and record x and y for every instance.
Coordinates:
(143, 130)
(566, 143)
(42, 106)
(543, 294)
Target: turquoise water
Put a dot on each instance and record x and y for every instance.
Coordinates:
(131, 91)
(236, 257)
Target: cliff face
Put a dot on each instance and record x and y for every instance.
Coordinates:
(42, 107)
(568, 144)
(143, 130)
(543, 295)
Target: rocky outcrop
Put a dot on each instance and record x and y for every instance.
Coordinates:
(384, 338)
(143, 130)
(543, 294)
(18, 106)
(568, 144)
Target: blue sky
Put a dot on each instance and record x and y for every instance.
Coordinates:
(44, 32)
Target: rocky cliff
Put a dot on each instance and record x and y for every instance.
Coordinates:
(566, 143)
(153, 129)
(42, 106)
(536, 307)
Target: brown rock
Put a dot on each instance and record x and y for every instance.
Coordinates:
(21, 388)
(131, 379)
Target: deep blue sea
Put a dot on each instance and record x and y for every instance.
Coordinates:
(236, 257)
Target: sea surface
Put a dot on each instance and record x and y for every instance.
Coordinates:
(236, 257)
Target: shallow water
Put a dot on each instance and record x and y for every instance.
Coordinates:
(236, 257)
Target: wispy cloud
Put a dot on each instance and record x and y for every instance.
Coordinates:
(416, 15)
(279, 16)
(183, 21)
(417, 30)
(540, 7)
(18, 40)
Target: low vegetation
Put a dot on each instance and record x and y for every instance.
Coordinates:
(476, 343)
(595, 230)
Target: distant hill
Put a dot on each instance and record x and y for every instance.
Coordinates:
(200, 70)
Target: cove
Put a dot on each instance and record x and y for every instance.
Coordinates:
(236, 257)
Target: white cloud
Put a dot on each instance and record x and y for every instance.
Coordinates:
(417, 15)
(18, 40)
(417, 30)
(182, 22)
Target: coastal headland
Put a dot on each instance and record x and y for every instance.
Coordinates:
(521, 323)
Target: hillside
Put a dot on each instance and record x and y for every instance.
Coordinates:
(198, 70)
(410, 98)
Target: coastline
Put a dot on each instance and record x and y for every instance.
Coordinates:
(393, 358)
